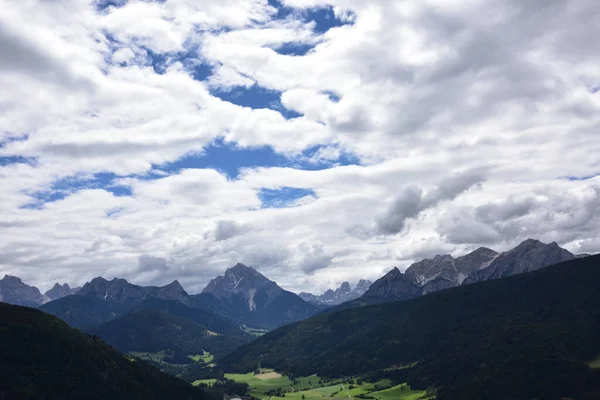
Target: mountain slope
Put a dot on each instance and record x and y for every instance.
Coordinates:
(154, 331)
(521, 337)
(245, 296)
(393, 286)
(126, 294)
(80, 311)
(426, 276)
(42, 358)
(338, 296)
(14, 291)
(101, 300)
(444, 272)
(171, 326)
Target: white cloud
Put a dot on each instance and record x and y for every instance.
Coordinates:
(416, 90)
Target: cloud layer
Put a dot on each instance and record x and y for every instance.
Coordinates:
(417, 127)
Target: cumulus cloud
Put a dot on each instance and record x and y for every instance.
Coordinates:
(411, 202)
(408, 204)
(313, 257)
(227, 230)
(410, 90)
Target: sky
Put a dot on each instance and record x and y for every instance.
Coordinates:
(317, 141)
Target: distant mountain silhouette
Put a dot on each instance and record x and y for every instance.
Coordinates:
(338, 296)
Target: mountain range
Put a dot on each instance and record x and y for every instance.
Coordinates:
(167, 320)
(338, 296)
(14, 291)
(444, 271)
(241, 303)
(246, 298)
(524, 336)
(425, 316)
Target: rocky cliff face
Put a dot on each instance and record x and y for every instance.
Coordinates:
(245, 296)
(528, 256)
(340, 295)
(393, 286)
(445, 271)
(122, 292)
(14, 291)
(244, 281)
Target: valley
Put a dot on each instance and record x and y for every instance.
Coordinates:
(405, 337)
(299, 200)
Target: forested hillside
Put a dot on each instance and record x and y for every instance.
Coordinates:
(43, 358)
(521, 337)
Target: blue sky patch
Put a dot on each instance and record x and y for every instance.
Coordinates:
(64, 187)
(102, 5)
(227, 158)
(230, 159)
(294, 49)
(323, 17)
(255, 97)
(332, 96)
(17, 160)
(582, 178)
(283, 197)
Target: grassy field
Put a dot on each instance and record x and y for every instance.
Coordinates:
(595, 364)
(336, 392)
(206, 358)
(259, 385)
(309, 387)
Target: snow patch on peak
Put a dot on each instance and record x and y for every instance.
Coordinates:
(251, 303)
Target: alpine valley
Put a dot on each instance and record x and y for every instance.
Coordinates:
(408, 335)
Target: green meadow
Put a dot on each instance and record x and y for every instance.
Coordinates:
(310, 388)
(206, 358)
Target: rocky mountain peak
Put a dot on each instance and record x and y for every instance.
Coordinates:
(121, 291)
(58, 291)
(242, 270)
(244, 281)
(14, 291)
(529, 255)
(393, 286)
(345, 287)
(11, 279)
(431, 274)
(363, 285)
(239, 278)
(174, 284)
(172, 291)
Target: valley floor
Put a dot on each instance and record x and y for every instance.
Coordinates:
(269, 385)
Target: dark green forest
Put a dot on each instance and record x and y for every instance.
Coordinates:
(43, 358)
(529, 336)
(170, 329)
